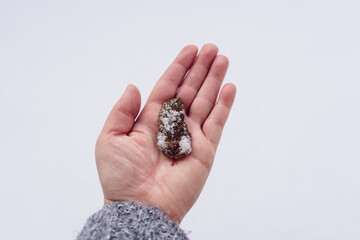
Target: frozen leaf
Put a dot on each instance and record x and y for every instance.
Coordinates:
(174, 138)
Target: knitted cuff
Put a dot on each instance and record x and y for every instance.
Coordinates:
(127, 220)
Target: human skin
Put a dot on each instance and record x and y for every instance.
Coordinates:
(130, 165)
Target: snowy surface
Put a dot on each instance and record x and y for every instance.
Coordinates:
(170, 118)
(185, 144)
(161, 140)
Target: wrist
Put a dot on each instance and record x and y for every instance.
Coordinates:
(172, 215)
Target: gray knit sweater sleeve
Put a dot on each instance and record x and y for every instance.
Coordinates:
(127, 220)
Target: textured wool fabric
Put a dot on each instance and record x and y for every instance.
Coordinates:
(127, 220)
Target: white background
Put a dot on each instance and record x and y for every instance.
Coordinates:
(288, 166)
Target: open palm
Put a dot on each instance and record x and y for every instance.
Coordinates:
(130, 165)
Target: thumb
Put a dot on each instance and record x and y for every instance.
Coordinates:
(122, 116)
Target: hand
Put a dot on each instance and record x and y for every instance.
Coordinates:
(130, 165)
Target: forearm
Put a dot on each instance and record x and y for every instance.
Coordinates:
(127, 220)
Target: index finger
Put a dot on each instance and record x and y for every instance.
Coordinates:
(167, 86)
(169, 82)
